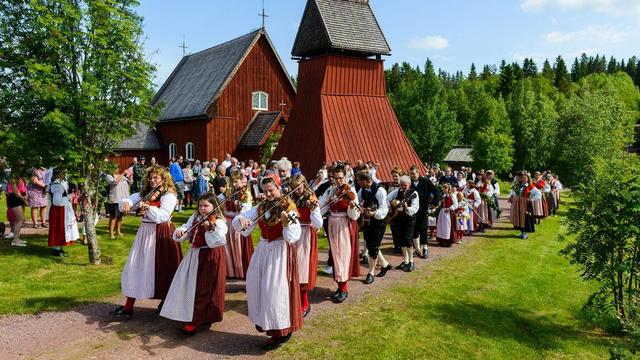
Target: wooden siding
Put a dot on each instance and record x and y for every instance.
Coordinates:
(344, 99)
(182, 132)
(260, 71)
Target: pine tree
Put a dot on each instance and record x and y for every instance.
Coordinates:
(529, 68)
(487, 72)
(547, 71)
(575, 70)
(472, 72)
(632, 69)
(561, 76)
(613, 66)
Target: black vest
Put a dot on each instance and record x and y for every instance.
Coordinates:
(400, 197)
(369, 200)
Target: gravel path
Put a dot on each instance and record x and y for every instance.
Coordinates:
(90, 332)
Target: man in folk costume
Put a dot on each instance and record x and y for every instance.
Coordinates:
(343, 231)
(154, 256)
(63, 227)
(239, 248)
(273, 289)
(522, 197)
(446, 229)
(396, 173)
(325, 217)
(307, 247)
(540, 210)
(406, 201)
(284, 173)
(496, 194)
(373, 200)
(196, 295)
(428, 195)
(473, 202)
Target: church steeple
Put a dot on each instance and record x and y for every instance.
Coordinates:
(339, 27)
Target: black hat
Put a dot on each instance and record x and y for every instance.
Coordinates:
(141, 157)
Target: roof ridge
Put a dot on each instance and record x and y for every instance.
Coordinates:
(252, 33)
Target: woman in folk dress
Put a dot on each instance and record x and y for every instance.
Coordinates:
(446, 229)
(63, 226)
(196, 295)
(273, 289)
(154, 256)
(307, 246)
(239, 248)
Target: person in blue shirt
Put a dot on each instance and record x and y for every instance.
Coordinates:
(176, 174)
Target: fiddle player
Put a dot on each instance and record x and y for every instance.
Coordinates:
(273, 290)
(343, 231)
(307, 247)
(238, 248)
(373, 200)
(196, 295)
(154, 256)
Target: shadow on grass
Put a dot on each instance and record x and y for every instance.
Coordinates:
(534, 331)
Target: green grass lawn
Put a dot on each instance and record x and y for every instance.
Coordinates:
(31, 280)
(503, 298)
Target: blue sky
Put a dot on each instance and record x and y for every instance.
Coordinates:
(453, 33)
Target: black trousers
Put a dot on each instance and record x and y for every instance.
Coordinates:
(421, 227)
(402, 230)
(325, 226)
(373, 235)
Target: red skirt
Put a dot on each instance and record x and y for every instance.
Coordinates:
(56, 227)
(355, 249)
(208, 306)
(247, 252)
(168, 257)
(313, 261)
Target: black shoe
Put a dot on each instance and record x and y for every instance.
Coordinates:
(409, 268)
(335, 294)
(275, 342)
(364, 260)
(57, 253)
(368, 280)
(425, 253)
(341, 297)
(306, 312)
(401, 266)
(384, 270)
(419, 254)
(120, 311)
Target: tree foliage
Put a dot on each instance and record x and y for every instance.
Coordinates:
(75, 83)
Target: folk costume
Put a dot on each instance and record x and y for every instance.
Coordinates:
(462, 217)
(374, 197)
(196, 295)
(63, 226)
(342, 234)
(540, 210)
(403, 224)
(550, 197)
(473, 201)
(310, 220)
(484, 211)
(446, 229)
(154, 256)
(273, 289)
(522, 197)
(428, 195)
(238, 248)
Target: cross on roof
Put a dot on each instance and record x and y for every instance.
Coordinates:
(184, 46)
(282, 105)
(263, 14)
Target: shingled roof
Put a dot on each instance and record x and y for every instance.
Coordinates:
(339, 26)
(256, 131)
(145, 139)
(459, 154)
(200, 78)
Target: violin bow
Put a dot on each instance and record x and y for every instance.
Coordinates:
(200, 221)
(273, 207)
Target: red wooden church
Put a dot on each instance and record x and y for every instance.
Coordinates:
(341, 110)
(226, 99)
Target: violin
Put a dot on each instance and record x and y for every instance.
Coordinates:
(275, 208)
(307, 199)
(210, 217)
(153, 196)
(344, 191)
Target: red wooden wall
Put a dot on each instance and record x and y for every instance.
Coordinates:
(181, 132)
(342, 113)
(260, 71)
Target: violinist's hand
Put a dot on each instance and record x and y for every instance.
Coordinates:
(126, 207)
(352, 205)
(371, 213)
(284, 217)
(260, 196)
(245, 223)
(179, 233)
(144, 206)
(209, 225)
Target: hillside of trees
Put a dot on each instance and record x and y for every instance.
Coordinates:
(517, 116)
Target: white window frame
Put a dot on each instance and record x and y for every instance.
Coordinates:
(173, 150)
(190, 151)
(263, 100)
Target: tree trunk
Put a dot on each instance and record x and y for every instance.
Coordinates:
(89, 214)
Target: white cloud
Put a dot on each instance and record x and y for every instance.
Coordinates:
(429, 42)
(611, 7)
(594, 34)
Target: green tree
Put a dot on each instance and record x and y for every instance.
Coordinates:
(79, 84)
(593, 125)
(561, 77)
(533, 120)
(493, 149)
(547, 71)
(472, 72)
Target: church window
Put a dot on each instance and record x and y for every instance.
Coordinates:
(260, 100)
